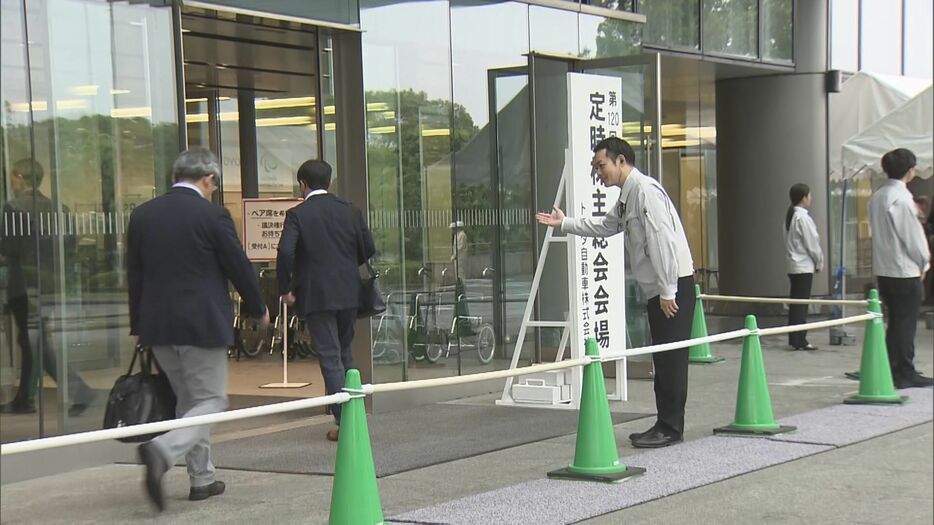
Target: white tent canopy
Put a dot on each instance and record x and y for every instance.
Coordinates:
(864, 99)
(910, 126)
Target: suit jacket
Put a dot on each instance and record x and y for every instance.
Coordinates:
(181, 251)
(320, 253)
(22, 222)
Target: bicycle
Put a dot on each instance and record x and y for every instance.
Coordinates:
(249, 335)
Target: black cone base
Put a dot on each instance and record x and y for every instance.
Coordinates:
(855, 400)
(735, 431)
(615, 477)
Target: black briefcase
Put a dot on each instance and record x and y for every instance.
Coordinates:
(143, 397)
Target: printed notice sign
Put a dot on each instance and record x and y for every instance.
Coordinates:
(595, 113)
(263, 220)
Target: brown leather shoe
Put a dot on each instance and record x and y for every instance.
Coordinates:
(334, 434)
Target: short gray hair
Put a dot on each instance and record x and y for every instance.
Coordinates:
(194, 164)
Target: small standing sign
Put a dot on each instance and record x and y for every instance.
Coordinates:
(262, 226)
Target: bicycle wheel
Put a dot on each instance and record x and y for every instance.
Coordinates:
(486, 343)
(435, 344)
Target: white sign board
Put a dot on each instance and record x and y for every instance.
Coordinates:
(262, 226)
(599, 284)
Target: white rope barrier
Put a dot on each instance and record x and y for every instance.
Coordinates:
(483, 376)
(664, 347)
(817, 325)
(781, 300)
(171, 424)
(343, 397)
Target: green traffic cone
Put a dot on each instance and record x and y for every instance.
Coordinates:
(875, 373)
(753, 403)
(595, 456)
(700, 353)
(354, 494)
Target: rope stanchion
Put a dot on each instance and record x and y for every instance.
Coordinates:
(781, 300)
(596, 457)
(875, 374)
(700, 352)
(753, 402)
(354, 493)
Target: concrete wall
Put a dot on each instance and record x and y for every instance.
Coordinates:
(771, 134)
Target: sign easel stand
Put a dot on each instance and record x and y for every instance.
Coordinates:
(284, 311)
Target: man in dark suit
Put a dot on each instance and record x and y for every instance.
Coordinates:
(29, 260)
(181, 251)
(324, 241)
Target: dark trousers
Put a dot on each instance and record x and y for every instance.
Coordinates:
(671, 367)
(902, 299)
(331, 334)
(29, 380)
(798, 313)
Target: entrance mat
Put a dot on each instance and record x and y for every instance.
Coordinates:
(405, 440)
(680, 468)
(669, 471)
(842, 425)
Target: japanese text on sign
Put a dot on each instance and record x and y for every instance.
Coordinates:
(595, 115)
(263, 220)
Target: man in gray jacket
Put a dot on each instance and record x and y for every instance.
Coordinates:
(900, 260)
(660, 258)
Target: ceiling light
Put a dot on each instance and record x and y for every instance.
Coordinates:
(276, 103)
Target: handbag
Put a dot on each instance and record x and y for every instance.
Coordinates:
(370, 301)
(143, 397)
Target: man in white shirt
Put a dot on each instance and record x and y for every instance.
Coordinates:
(900, 260)
(660, 258)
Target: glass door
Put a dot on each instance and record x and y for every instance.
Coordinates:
(508, 272)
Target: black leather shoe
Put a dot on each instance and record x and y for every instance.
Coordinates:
(156, 467)
(915, 381)
(636, 435)
(19, 406)
(199, 493)
(656, 439)
(808, 346)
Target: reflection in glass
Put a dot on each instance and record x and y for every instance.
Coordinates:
(411, 128)
(672, 23)
(105, 133)
(492, 176)
(777, 31)
(609, 37)
(730, 27)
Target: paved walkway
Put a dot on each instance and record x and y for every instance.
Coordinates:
(885, 479)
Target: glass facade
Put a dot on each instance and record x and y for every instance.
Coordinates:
(454, 172)
(755, 30)
(731, 27)
(89, 132)
(882, 36)
(450, 176)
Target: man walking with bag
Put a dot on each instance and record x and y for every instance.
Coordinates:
(324, 241)
(181, 251)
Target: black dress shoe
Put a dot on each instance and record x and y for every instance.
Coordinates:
(19, 406)
(656, 439)
(636, 435)
(915, 381)
(156, 467)
(199, 493)
(808, 346)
